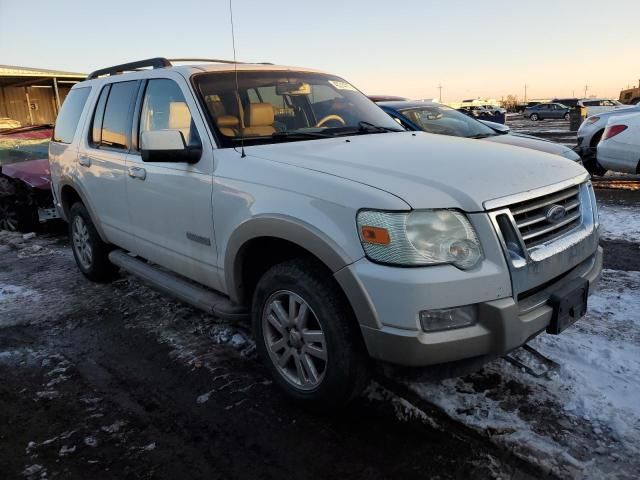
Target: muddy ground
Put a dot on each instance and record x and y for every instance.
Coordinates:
(115, 381)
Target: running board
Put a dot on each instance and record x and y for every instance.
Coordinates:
(197, 296)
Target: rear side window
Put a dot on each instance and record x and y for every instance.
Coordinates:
(116, 122)
(96, 124)
(69, 116)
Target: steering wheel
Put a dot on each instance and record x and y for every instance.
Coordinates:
(328, 118)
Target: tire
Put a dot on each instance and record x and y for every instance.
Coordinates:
(329, 331)
(593, 167)
(90, 252)
(567, 117)
(534, 117)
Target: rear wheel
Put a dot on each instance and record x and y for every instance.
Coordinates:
(8, 215)
(566, 116)
(534, 117)
(90, 252)
(590, 162)
(306, 334)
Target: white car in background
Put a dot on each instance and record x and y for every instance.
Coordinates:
(590, 133)
(619, 148)
(595, 106)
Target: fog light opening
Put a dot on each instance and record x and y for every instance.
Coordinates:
(448, 318)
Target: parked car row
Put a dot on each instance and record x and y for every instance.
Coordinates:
(343, 236)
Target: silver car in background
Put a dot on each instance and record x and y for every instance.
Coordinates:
(590, 134)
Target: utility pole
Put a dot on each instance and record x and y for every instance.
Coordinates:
(586, 89)
(525, 93)
(440, 88)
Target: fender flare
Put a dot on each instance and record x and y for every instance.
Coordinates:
(283, 227)
(84, 198)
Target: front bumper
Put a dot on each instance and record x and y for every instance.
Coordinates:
(503, 325)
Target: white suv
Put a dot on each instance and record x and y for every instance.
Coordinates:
(286, 195)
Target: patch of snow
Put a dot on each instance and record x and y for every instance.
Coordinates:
(620, 222)
(66, 450)
(114, 427)
(573, 420)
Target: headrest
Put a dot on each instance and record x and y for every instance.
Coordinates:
(260, 115)
(179, 116)
(227, 121)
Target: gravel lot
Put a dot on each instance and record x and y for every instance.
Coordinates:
(115, 381)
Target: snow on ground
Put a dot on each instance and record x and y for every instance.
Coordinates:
(581, 420)
(620, 222)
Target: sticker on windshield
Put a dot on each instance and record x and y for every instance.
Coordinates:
(342, 85)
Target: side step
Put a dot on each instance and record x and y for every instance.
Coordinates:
(197, 296)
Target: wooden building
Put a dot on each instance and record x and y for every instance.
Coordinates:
(33, 96)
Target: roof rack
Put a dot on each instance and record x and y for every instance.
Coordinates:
(157, 62)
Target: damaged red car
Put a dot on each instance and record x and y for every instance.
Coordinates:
(25, 182)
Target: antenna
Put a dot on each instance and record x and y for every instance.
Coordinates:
(235, 67)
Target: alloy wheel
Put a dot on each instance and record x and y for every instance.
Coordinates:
(81, 242)
(8, 217)
(295, 340)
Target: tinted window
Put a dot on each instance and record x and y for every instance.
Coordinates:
(592, 103)
(69, 116)
(116, 123)
(164, 107)
(96, 124)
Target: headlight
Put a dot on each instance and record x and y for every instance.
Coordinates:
(421, 237)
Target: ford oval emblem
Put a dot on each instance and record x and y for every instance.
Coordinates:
(555, 213)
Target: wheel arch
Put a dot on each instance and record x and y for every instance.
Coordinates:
(72, 193)
(269, 239)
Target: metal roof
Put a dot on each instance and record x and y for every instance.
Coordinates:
(14, 71)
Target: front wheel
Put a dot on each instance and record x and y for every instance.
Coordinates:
(567, 116)
(90, 252)
(307, 336)
(534, 117)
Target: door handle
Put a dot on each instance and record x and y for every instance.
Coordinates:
(137, 172)
(84, 161)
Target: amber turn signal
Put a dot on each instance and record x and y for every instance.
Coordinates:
(375, 235)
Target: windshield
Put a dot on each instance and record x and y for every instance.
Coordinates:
(445, 120)
(274, 106)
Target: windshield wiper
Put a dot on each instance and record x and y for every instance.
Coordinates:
(367, 127)
(293, 134)
(482, 135)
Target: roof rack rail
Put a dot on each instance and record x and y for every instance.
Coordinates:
(158, 62)
(216, 60)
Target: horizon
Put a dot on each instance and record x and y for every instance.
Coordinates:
(490, 46)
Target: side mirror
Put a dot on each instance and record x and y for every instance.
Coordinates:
(168, 146)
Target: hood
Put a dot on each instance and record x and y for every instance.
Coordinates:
(426, 170)
(34, 173)
(535, 143)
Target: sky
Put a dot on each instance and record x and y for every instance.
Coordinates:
(487, 48)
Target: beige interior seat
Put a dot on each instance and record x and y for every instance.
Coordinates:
(228, 125)
(180, 119)
(259, 118)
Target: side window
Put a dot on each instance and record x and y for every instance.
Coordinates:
(98, 116)
(117, 115)
(69, 116)
(164, 107)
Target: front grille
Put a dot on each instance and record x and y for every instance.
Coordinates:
(532, 219)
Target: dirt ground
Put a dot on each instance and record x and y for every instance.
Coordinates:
(117, 381)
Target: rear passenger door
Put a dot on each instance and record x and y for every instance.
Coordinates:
(102, 160)
(170, 203)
